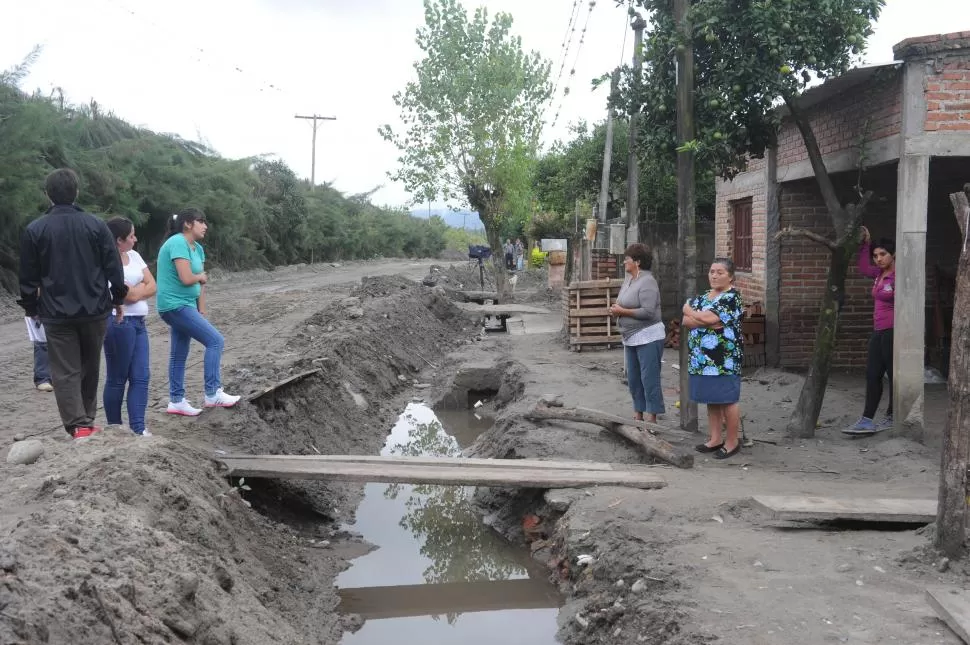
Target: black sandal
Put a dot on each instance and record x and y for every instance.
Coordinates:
(724, 454)
(706, 449)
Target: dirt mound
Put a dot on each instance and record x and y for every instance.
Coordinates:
(124, 540)
(143, 542)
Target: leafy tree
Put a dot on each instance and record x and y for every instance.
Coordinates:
(573, 170)
(473, 116)
(751, 57)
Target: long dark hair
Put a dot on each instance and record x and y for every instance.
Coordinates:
(120, 227)
(183, 218)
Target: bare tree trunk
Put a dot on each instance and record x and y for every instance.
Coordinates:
(951, 519)
(805, 416)
(845, 221)
(494, 236)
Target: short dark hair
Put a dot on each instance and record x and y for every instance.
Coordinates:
(640, 253)
(62, 187)
(886, 244)
(727, 263)
(120, 227)
(183, 218)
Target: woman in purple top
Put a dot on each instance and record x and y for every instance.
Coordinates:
(880, 359)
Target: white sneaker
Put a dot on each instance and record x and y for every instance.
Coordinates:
(145, 433)
(221, 400)
(45, 387)
(183, 408)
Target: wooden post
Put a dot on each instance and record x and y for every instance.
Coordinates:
(686, 227)
(633, 166)
(313, 158)
(951, 521)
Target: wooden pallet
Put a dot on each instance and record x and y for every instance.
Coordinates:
(586, 309)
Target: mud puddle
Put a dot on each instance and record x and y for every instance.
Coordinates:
(438, 574)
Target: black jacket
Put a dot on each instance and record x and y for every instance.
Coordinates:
(67, 258)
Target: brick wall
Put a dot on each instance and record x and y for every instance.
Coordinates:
(842, 121)
(804, 266)
(604, 265)
(948, 96)
(751, 284)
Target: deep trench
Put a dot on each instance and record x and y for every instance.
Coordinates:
(464, 597)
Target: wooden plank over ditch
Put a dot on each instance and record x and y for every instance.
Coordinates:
(824, 509)
(953, 607)
(501, 473)
(496, 310)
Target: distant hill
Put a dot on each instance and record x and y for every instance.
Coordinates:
(454, 219)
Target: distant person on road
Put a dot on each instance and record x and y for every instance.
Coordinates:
(716, 350)
(637, 309)
(67, 260)
(126, 342)
(509, 255)
(42, 369)
(519, 255)
(181, 304)
(879, 362)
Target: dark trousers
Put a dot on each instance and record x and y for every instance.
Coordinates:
(74, 351)
(879, 362)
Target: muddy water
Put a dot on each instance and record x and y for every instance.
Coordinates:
(438, 574)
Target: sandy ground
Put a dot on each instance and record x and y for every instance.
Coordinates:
(124, 540)
(714, 567)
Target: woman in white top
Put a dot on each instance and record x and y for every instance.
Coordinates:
(126, 341)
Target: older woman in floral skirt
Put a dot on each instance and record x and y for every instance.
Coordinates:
(716, 356)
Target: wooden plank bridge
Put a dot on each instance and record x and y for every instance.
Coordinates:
(499, 473)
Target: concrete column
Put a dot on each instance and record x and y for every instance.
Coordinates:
(772, 261)
(911, 214)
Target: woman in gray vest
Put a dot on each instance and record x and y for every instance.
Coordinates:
(637, 309)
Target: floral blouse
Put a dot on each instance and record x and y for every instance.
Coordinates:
(718, 352)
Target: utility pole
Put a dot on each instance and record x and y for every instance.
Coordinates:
(633, 167)
(686, 227)
(607, 153)
(313, 158)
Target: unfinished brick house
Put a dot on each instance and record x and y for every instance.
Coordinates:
(914, 117)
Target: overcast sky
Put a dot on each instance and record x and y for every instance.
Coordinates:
(233, 73)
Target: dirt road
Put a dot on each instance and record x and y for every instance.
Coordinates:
(255, 311)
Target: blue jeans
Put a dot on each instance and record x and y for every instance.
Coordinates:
(187, 323)
(126, 362)
(42, 368)
(643, 376)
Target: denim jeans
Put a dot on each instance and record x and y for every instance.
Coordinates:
(42, 368)
(643, 376)
(187, 323)
(126, 362)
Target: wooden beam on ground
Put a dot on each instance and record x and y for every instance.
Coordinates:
(649, 444)
(400, 601)
(473, 296)
(423, 470)
(497, 310)
(823, 509)
(953, 607)
(283, 383)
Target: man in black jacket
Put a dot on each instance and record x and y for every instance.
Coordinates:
(67, 259)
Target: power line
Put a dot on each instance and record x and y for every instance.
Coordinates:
(572, 71)
(567, 42)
